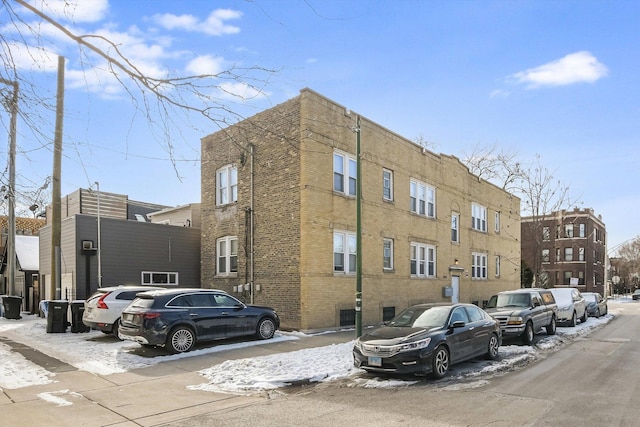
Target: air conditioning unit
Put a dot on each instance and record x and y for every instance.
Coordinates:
(87, 245)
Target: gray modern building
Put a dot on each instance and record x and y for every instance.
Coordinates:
(107, 239)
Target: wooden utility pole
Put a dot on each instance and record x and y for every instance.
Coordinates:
(56, 211)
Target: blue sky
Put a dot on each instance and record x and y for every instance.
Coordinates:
(557, 79)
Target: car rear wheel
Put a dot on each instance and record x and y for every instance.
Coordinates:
(494, 344)
(440, 362)
(180, 340)
(266, 329)
(551, 327)
(527, 335)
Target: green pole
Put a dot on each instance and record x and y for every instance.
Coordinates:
(358, 234)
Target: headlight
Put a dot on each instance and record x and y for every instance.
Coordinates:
(417, 345)
(515, 320)
(358, 345)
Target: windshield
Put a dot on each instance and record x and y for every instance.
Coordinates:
(421, 317)
(563, 297)
(513, 300)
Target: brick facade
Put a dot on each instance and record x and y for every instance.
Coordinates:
(574, 243)
(284, 158)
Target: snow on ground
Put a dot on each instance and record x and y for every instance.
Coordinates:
(94, 352)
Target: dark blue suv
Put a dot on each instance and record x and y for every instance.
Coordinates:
(178, 318)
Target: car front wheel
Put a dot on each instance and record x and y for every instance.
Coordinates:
(527, 335)
(266, 329)
(440, 362)
(116, 329)
(181, 339)
(574, 320)
(584, 317)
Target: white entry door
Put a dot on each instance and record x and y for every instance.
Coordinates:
(455, 286)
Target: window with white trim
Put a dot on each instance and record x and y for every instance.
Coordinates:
(344, 174)
(546, 234)
(545, 255)
(455, 227)
(344, 252)
(387, 184)
(568, 254)
(478, 266)
(580, 254)
(226, 185)
(478, 217)
(159, 278)
(423, 199)
(497, 265)
(227, 255)
(582, 230)
(568, 230)
(387, 254)
(497, 222)
(423, 260)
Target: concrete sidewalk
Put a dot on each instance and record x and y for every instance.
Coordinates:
(150, 396)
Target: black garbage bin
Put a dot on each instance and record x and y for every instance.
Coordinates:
(57, 316)
(11, 306)
(77, 310)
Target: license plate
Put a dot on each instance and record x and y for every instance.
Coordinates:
(375, 361)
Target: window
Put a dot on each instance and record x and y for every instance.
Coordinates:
(423, 199)
(227, 255)
(568, 230)
(387, 254)
(582, 230)
(344, 174)
(423, 260)
(558, 255)
(455, 227)
(478, 217)
(546, 234)
(159, 278)
(568, 254)
(344, 252)
(580, 254)
(387, 185)
(545, 255)
(567, 277)
(227, 185)
(478, 266)
(497, 265)
(497, 222)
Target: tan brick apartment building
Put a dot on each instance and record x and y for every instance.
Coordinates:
(279, 218)
(568, 248)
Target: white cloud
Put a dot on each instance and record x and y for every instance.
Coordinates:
(205, 64)
(499, 93)
(214, 25)
(75, 11)
(241, 91)
(579, 67)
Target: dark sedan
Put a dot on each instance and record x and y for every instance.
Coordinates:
(428, 339)
(178, 318)
(596, 305)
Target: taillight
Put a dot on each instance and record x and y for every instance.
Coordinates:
(150, 315)
(101, 303)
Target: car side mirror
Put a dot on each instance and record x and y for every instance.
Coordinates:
(457, 324)
(535, 303)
